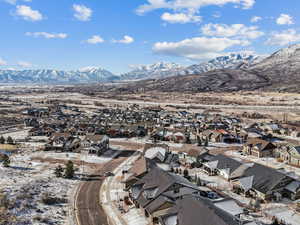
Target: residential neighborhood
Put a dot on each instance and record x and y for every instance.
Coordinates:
(153, 163)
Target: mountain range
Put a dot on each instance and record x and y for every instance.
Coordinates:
(233, 72)
(154, 71)
(86, 75)
(278, 72)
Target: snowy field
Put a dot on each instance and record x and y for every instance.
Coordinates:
(26, 182)
(30, 178)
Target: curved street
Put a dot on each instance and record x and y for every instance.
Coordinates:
(88, 209)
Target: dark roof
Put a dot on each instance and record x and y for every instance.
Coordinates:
(225, 162)
(264, 178)
(158, 202)
(192, 211)
(161, 180)
(260, 144)
(182, 192)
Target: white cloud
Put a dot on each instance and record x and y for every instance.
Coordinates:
(47, 35)
(28, 14)
(96, 39)
(217, 15)
(284, 19)
(247, 4)
(284, 38)
(126, 40)
(180, 18)
(198, 47)
(255, 19)
(2, 62)
(24, 64)
(192, 5)
(234, 30)
(13, 2)
(82, 12)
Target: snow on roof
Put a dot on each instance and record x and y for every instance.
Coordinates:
(171, 220)
(212, 164)
(293, 186)
(230, 207)
(246, 183)
(156, 152)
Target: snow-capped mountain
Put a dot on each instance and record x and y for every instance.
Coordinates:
(231, 61)
(86, 75)
(286, 59)
(278, 72)
(162, 69)
(153, 71)
(157, 70)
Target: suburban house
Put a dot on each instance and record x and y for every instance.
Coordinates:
(194, 155)
(264, 183)
(289, 154)
(194, 211)
(223, 166)
(140, 168)
(258, 148)
(161, 154)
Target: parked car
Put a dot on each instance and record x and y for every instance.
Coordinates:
(108, 174)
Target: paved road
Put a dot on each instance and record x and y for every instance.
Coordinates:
(88, 209)
(289, 108)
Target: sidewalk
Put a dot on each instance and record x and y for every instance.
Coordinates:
(110, 193)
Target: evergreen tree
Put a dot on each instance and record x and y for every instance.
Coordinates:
(10, 140)
(69, 170)
(2, 140)
(185, 173)
(199, 181)
(59, 171)
(199, 141)
(206, 142)
(195, 178)
(6, 161)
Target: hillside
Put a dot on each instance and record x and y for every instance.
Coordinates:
(278, 72)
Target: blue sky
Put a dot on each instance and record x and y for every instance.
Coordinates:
(116, 34)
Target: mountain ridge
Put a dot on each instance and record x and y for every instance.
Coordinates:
(157, 70)
(94, 74)
(278, 72)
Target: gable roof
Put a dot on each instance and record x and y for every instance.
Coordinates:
(142, 165)
(260, 144)
(264, 178)
(192, 211)
(160, 180)
(225, 162)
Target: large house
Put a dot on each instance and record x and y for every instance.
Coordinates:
(289, 154)
(169, 199)
(194, 211)
(258, 148)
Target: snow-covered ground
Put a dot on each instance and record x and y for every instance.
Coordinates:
(31, 176)
(20, 134)
(285, 214)
(110, 199)
(87, 158)
(26, 182)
